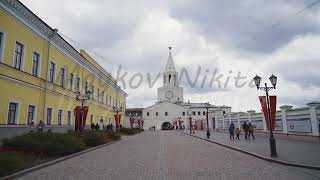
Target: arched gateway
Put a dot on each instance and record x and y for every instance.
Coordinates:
(166, 126)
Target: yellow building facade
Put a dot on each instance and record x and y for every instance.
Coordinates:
(40, 73)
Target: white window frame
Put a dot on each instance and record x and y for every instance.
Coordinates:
(2, 46)
(80, 86)
(71, 86)
(61, 117)
(55, 72)
(64, 76)
(39, 65)
(17, 115)
(68, 117)
(35, 113)
(45, 121)
(23, 55)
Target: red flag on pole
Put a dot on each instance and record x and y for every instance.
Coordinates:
(264, 109)
(116, 120)
(273, 109)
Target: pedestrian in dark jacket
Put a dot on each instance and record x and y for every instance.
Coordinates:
(246, 129)
(250, 127)
(231, 130)
(92, 126)
(97, 126)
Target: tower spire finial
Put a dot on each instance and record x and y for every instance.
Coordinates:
(170, 48)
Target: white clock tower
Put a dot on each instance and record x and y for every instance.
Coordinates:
(170, 90)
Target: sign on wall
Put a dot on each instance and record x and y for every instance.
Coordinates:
(299, 125)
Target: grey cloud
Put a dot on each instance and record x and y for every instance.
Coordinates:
(255, 26)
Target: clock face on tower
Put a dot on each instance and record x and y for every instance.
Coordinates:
(169, 94)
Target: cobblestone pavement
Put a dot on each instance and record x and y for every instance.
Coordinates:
(288, 150)
(165, 155)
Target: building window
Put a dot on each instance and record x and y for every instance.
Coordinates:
(60, 117)
(52, 72)
(193, 113)
(106, 99)
(62, 77)
(98, 97)
(166, 113)
(69, 117)
(35, 64)
(183, 113)
(86, 87)
(156, 113)
(1, 45)
(71, 81)
(199, 113)
(102, 98)
(92, 95)
(78, 84)
(147, 113)
(110, 100)
(18, 56)
(49, 116)
(12, 113)
(31, 112)
(91, 119)
(224, 112)
(203, 113)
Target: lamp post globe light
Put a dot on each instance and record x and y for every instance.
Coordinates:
(207, 105)
(82, 99)
(273, 80)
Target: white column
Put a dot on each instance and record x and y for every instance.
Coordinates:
(222, 121)
(250, 112)
(216, 121)
(284, 109)
(313, 117)
(238, 117)
(264, 123)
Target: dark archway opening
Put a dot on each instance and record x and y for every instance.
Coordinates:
(167, 126)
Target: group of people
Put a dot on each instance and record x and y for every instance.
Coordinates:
(248, 131)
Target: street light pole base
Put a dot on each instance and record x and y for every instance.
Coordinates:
(273, 148)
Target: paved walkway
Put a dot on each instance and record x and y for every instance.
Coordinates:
(167, 155)
(288, 150)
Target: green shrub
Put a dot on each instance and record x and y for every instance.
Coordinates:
(130, 131)
(10, 162)
(95, 138)
(113, 135)
(52, 144)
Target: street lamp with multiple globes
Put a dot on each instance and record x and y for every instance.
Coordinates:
(83, 99)
(273, 80)
(207, 105)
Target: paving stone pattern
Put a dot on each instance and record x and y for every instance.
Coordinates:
(165, 155)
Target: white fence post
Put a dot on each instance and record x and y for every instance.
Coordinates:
(313, 117)
(284, 109)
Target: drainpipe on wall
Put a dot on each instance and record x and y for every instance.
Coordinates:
(55, 31)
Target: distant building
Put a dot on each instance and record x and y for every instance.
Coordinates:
(171, 107)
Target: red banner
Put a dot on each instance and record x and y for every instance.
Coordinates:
(131, 122)
(190, 122)
(264, 109)
(85, 112)
(273, 109)
(80, 117)
(116, 121)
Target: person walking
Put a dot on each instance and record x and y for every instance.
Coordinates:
(231, 131)
(238, 133)
(245, 127)
(250, 127)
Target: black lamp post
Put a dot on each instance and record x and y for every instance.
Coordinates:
(190, 121)
(207, 105)
(82, 99)
(273, 80)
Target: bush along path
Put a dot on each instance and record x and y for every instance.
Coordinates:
(34, 148)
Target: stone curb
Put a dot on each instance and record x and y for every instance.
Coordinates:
(307, 166)
(50, 163)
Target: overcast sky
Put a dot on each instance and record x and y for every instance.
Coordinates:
(211, 39)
